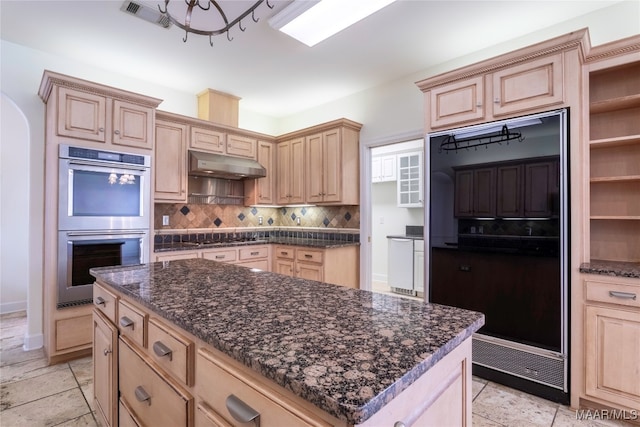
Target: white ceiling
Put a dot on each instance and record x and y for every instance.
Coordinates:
(272, 73)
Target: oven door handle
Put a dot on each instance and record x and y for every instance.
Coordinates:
(104, 233)
(108, 165)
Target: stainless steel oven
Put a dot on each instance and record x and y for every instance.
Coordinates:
(103, 190)
(78, 251)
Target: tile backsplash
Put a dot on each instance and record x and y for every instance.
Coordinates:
(221, 216)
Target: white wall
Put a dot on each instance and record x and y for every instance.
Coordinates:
(14, 208)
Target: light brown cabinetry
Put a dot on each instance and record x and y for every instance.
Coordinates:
(327, 172)
(262, 191)
(251, 256)
(85, 114)
(217, 141)
(100, 118)
(614, 131)
(105, 369)
(330, 265)
(526, 87)
(612, 341)
(290, 178)
(170, 173)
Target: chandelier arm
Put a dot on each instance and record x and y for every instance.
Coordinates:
(202, 7)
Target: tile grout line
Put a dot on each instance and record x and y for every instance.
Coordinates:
(82, 393)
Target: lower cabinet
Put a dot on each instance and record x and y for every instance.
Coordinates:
(105, 369)
(331, 265)
(612, 342)
(252, 256)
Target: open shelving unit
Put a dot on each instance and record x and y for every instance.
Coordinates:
(614, 116)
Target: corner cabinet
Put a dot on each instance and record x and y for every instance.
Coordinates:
(330, 171)
(262, 191)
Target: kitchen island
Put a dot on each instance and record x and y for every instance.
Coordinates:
(297, 351)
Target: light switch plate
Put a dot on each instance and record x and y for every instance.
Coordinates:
(165, 219)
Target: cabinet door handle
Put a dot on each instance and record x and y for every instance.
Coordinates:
(101, 130)
(107, 351)
(117, 132)
(162, 350)
(623, 295)
(100, 301)
(125, 322)
(142, 395)
(242, 412)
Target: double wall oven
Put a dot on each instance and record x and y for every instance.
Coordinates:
(103, 216)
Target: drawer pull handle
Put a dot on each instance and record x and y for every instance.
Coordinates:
(284, 253)
(308, 256)
(242, 412)
(100, 301)
(125, 322)
(255, 253)
(162, 350)
(142, 395)
(220, 257)
(623, 295)
(400, 423)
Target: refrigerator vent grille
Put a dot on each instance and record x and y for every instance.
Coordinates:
(535, 367)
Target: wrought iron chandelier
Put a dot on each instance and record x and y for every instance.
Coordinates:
(213, 21)
(451, 143)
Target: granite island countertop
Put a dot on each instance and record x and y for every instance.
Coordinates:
(347, 351)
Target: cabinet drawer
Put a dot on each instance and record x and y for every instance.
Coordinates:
(222, 256)
(125, 417)
(307, 255)
(286, 252)
(272, 409)
(253, 253)
(105, 301)
(207, 417)
(613, 293)
(171, 351)
(132, 323)
(154, 399)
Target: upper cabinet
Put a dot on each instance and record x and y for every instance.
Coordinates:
(534, 79)
(383, 168)
(217, 141)
(409, 183)
(262, 191)
(330, 171)
(98, 114)
(170, 164)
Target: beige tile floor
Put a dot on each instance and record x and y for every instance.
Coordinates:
(34, 394)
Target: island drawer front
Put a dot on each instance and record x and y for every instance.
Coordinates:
(125, 417)
(273, 410)
(287, 252)
(221, 256)
(153, 398)
(105, 301)
(613, 293)
(253, 253)
(132, 323)
(207, 417)
(307, 255)
(171, 351)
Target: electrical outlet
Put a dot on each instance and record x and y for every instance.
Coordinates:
(165, 219)
(298, 220)
(259, 220)
(381, 220)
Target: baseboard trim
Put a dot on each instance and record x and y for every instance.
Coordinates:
(11, 307)
(33, 342)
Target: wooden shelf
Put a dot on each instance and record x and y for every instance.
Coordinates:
(615, 142)
(615, 104)
(615, 217)
(604, 179)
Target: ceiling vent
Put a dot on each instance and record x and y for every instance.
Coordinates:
(146, 13)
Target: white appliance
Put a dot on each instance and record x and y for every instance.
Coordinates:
(418, 267)
(400, 275)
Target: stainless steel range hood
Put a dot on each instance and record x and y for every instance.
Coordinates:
(220, 166)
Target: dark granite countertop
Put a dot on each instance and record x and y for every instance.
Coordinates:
(612, 268)
(312, 243)
(347, 351)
